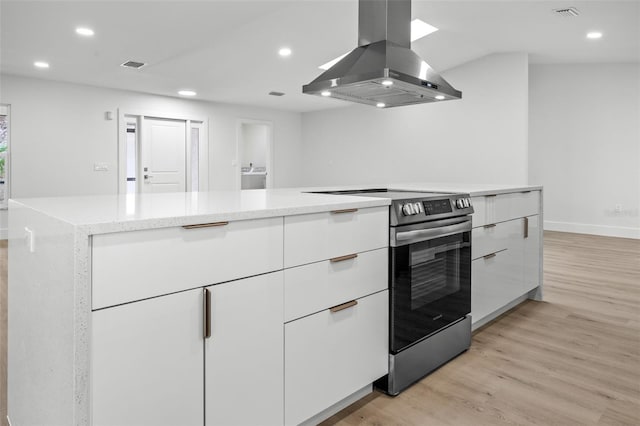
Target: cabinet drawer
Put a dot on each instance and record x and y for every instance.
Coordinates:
(135, 265)
(492, 209)
(488, 239)
(516, 205)
(330, 355)
(321, 236)
(495, 282)
(317, 286)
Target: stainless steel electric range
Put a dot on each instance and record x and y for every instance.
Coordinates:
(429, 282)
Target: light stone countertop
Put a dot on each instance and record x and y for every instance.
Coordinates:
(98, 214)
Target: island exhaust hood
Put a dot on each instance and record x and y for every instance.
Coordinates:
(383, 71)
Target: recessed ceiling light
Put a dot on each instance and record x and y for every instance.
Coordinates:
(88, 32)
(594, 35)
(380, 105)
(439, 97)
(41, 64)
(285, 51)
(387, 82)
(187, 93)
(325, 93)
(419, 29)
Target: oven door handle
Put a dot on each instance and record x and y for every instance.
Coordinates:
(403, 238)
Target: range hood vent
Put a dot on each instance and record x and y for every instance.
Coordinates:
(383, 71)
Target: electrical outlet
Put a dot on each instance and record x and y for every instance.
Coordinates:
(618, 208)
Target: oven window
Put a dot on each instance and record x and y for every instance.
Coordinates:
(434, 272)
(430, 287)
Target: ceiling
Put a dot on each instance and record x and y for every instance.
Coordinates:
(227, 51)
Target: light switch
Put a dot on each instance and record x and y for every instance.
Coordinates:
(100, 167)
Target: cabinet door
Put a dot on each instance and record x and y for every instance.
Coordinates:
(531, 252)
(147, 362)
(244, 355)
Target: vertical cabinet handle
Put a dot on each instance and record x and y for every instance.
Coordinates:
(207, 313)
(526, 227)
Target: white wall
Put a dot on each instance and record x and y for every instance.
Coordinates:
(59, 130)
(584, 146)
(481, 138)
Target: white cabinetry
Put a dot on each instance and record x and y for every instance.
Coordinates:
(188, 323)
(505, 252)
(128, 266)
(336, 308)
(331, 355)
(147, 363)
(151, 362)
(312, 237)
(243, 357)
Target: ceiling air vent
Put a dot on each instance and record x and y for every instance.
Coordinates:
(276, 93)
(567, 12)
(133, 64)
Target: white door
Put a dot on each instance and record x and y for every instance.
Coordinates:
(163, 157)
(244, 354)
(147, 362)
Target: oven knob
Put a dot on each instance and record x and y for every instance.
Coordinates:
(407, 209)
(465, 201)
(460, 203)
(418, 208)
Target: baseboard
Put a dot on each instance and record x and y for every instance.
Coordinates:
(584, 228)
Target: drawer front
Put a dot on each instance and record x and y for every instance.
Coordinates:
(321, 236)
(130, 266)
(312, 288)
(516, 205)
(492, 209)
(489, 239)
(525, 204)
(330, 355)
(496, 281)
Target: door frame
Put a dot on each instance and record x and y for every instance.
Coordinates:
(191, 121)
(270, 148)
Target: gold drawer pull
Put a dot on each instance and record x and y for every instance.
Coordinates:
(343, 306)
(489, 256)
(344, 211)
(492, 225)
(341, 258)
(205, 225)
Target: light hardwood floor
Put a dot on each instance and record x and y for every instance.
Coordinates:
(573, 359)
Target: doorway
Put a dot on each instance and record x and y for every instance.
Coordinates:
(162, 154)
(255, 150)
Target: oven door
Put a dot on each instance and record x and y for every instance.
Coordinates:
(430, 278)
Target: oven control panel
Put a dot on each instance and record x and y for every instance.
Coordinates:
(435, 207)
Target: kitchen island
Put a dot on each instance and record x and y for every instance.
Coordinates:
(185, 308)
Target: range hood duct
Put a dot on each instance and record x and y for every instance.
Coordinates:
(383, 55)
